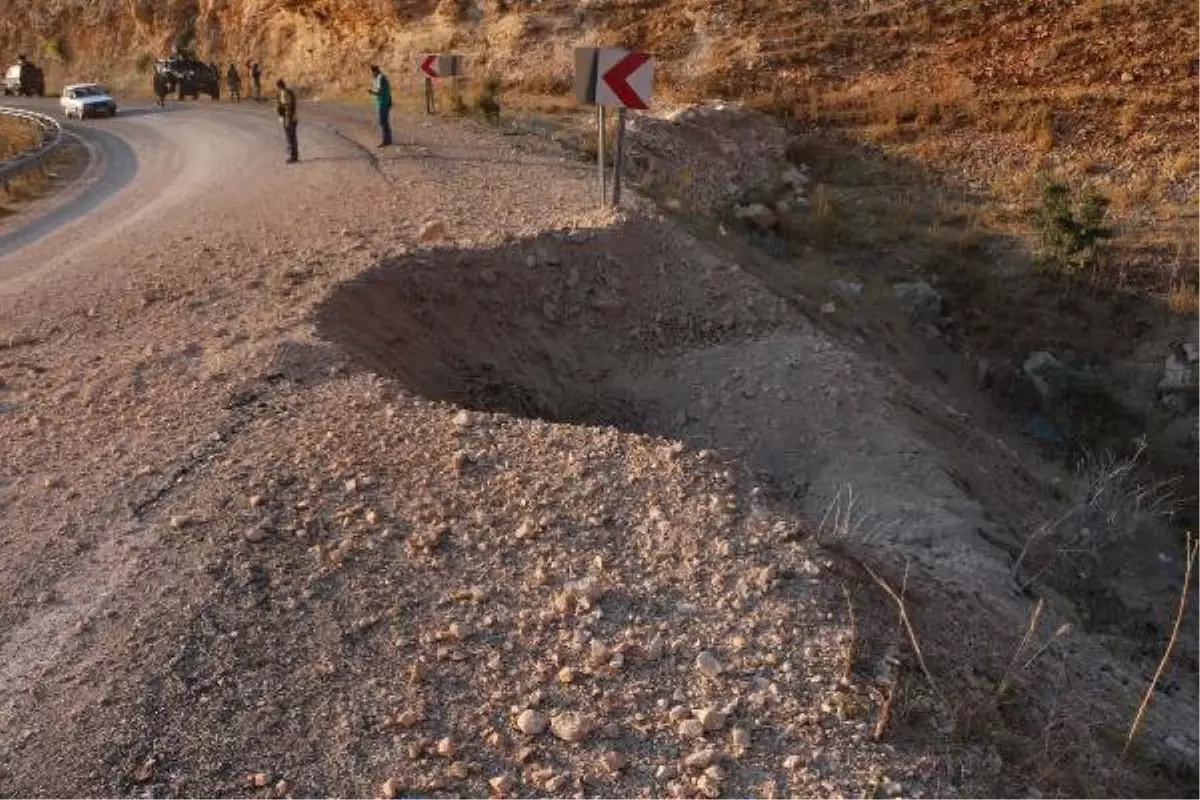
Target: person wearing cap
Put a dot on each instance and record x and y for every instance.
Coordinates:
(285, 106)
(381, 89)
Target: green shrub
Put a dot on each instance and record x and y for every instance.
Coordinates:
(56, 50)
(1071, 228)
(142, 63)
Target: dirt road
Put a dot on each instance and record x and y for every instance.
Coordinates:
(290, 504)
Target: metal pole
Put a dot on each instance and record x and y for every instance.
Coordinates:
(429, 95)
(600, 156)
(618, 150)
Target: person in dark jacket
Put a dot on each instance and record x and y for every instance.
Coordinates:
(285, 106)
(381, 88)
(256, 80)
(161, 88)
(234, 81)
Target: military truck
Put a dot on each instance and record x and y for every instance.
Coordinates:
(188, 77)
(25, 79)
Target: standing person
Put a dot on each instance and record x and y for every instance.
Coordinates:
(256, 80)
(161, 88)
(234, 81)
(285, 106)
(381, 88)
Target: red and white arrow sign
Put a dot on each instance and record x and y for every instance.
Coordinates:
(429, 65)
(625, 79)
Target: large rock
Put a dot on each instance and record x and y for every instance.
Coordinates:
(920, 300)
(757, 215)
(1178, 385)
(1040, 368)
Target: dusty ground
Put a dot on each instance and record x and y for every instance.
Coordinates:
(293, 504)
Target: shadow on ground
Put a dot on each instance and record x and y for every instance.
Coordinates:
(559, 328)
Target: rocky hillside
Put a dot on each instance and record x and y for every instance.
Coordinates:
(1079, 58)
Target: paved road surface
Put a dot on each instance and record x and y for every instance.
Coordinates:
(148, 165)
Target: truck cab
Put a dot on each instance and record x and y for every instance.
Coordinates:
(24, 79)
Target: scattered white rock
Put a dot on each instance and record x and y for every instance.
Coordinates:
(531, 722)
(700, 759)
(847, 288)
(408, 718)
(502, 784)
(707, 786)
(757, 215)
(1039, 368)
(613, 761)
(708, 665)
(920, 300)
(691, 729)
(711, 719)
(571, 726)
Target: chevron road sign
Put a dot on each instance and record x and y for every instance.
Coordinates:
(625, 79)
(611, 77)
(440, 65)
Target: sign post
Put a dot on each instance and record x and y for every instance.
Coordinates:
(613, 78)
(600, 151)
(618, 149)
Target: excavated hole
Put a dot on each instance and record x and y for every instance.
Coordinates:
(559, 328)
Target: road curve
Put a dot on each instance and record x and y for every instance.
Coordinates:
(147, 166)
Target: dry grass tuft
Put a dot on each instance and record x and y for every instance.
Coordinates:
(1192, 550)
(1184, 299)
(1113, 506)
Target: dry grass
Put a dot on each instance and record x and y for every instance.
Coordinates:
(1192, 550)
(1113, 507)
(15, 137)
(59, 167)
(1183, 299)
(1137, 192)
(1129, 118)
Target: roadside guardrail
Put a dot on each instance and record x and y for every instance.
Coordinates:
(50, 137)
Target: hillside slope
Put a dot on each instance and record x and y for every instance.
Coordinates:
(1080, 59)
